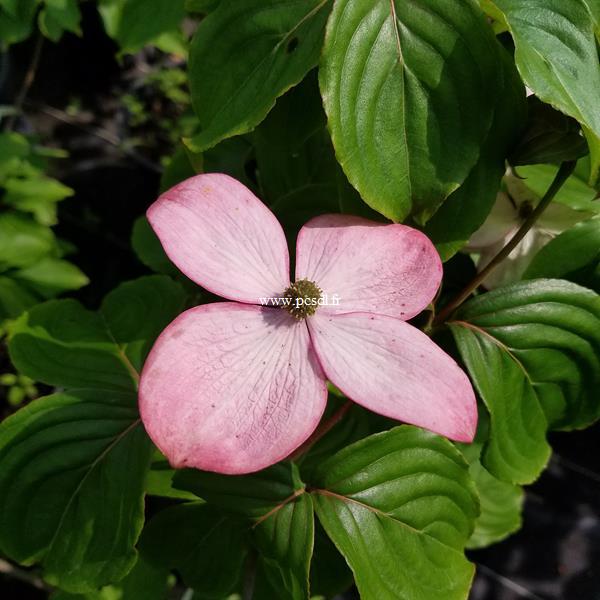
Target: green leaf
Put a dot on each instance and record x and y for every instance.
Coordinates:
(160, 483)
(133, 23)
(573, 255)
(59, 16)
(293, 148)
(501, 503)
(71, 486)
(265, 48)
(143, 582)
(148, 248)
(201, 6)
(137, 311)
(252, 495)
(276, 500)
(468, 207)
(517, 450)
(556, 54)
(16, 20)
(575, 192)
(23, 241)
(178, 169)
(205, 547)
(533, 352)
(61, 343)
(37, 195)
(286, 535)
(284, 527)
(594, 8)
(296, 167)
(14, 298)
(409, 89)
(400, 507)
(13, 148)
(76, 462)
(51, 276)
(550, 137)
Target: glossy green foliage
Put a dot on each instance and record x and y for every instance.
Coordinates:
(409, 89)
(75, 463)
(265, 47)
(500, 503)
(557, 56)
(400, 507)
(533, 351)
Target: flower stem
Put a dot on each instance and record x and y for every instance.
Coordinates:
(564, 172)
(321, 430)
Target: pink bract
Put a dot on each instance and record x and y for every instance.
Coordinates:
(234, 387)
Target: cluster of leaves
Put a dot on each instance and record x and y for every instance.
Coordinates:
(54, 17)
(412, 114)
(32, 264)
(128, 22)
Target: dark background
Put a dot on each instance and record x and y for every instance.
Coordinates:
(556, 555)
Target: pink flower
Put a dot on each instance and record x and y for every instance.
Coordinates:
(234, 387)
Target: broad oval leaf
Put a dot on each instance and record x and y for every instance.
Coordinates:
(71, 486)
(264, 48)
(575, 193)
(23, 241)
(501, 503)
(275, 499)
(207, 548)
(400, 507)
(62, 343)
(132, 25)
(533, 351)
(252, 496)
(468, 207)
(517, 450)
(573, 255)
(73, 465)
(286, 535)
(409, 89)
(137, 311)
(556, 53)
(14, 298)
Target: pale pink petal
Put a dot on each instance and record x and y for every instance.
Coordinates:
(223, 237)
(392, 368)
(231, 388)
(373, 267)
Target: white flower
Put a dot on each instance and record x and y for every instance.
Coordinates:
(513, 205)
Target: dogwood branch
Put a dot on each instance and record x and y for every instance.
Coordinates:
(564, 172)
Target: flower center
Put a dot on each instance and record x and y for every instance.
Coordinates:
(304, 296)
(525, 210)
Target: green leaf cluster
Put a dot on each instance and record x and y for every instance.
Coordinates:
(32, 264)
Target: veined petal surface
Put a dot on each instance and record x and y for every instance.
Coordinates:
(394, 369)
(219, 234)
(373, 267)
(231, 388)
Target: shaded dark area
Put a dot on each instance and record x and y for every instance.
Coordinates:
(76, 103)
(556, 555)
